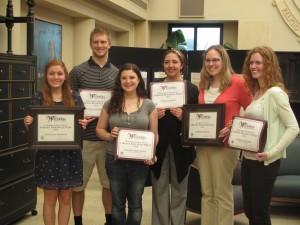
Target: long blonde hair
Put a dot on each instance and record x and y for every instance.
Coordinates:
(226, 71)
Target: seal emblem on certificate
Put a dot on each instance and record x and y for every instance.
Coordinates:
(94, 100)
(168, 94)
(248, 134)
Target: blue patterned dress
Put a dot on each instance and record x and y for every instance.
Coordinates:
(58, 169)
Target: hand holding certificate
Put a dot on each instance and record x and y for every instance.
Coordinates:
(138, 145)
(168, 94)
(248, 134)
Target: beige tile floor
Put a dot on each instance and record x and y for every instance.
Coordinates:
(282, 214)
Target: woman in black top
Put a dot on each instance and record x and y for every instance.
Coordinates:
(173, 160)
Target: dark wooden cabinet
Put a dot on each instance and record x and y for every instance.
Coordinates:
(17, 186)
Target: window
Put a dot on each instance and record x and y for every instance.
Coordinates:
(199, 36)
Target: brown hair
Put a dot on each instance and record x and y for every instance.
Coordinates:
(66, 89)
(226, 71)
(272, 74)
(179, 54)
(116, 102)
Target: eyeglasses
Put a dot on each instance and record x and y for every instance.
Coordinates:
(214, 60)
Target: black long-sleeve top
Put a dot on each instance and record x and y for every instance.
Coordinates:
(169, 131)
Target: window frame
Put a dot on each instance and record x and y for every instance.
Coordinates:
(195, 26)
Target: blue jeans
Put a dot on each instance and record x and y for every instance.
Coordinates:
(127, 180)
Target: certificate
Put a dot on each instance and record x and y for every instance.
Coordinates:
(55, 128)
(138, 145)
(201, 124)
(168, 94)
(94, 100)
(248, 134)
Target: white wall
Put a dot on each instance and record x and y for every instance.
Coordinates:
(247, 23)
(256, 18)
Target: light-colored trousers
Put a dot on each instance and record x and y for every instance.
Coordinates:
(168, 198)
(216, 166)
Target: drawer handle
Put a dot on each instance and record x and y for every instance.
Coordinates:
(26, 160)
(1, 71)
(1, 137)
(22, 71)
(21, 109)
(1, 111)
(21, 89)
(22, 131)
(27, 190)
(0, 90)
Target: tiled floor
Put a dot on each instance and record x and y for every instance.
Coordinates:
(282, 214)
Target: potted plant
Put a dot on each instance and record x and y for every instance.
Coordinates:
(176, 40)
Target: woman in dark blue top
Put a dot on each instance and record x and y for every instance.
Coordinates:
(57, 171)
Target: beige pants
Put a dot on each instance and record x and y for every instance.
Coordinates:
(216, 166)
(93, 153)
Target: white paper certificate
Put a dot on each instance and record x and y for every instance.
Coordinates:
(202, 125)
(135, 145)
(247, 134)
(168, 94)
(55, 127)
(94, 100)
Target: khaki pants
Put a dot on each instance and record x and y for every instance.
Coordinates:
(93, 153)
(216, 166)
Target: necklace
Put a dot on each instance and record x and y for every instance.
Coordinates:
(130, 105)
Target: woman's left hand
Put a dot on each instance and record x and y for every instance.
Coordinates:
(150, 161)
(261, 156)
(224, 133)
(83, 123)
(177, 112)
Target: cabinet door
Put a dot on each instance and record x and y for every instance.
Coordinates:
(4, 107)
(21, 90)
(4, 71)
(17, 197)
(4, 136)
(19, 134)
(4, 90)
(19, 108)
(15, 164)
(20, 72)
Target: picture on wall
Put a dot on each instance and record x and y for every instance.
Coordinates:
(47, 45)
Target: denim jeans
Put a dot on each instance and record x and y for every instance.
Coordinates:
(127, 180)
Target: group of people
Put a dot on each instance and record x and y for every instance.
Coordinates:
(64, 174)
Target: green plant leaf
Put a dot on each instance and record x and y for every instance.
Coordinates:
(228, 45)
(176, 40)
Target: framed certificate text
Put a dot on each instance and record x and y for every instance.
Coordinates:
(248, 134)
(138, 145)
(201, 124)
(94, 100)
(55, 128)
(168, 94)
